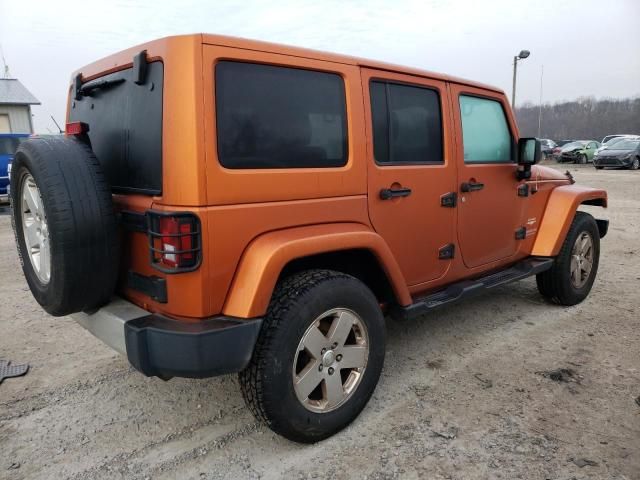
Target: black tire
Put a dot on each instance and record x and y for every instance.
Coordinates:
(635, 164)
(599, 168)
(81, 222)
(555, 284)
(267, 383)
(582, 160)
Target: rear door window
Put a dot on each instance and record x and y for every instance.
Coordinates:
(279, 117)
(407, 125)
(485, 131)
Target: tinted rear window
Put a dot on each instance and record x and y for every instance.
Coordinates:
(279, 117)
(407, 127)
(125, 129)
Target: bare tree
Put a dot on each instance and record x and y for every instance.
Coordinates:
(583, 119)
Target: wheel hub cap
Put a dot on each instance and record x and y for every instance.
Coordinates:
(330, 361)
(328, 358)
(35, 229)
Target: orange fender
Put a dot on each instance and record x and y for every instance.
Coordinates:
(267, 255)
(561, 208)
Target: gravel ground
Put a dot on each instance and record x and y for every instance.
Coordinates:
(461, 396)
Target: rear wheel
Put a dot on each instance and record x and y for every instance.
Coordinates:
(599, 168)
(570, 279)
(318, 357)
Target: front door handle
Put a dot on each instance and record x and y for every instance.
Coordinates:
(471, 186)
(387, 193)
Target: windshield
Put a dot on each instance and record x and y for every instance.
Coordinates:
(613, 141)
(574, 145)
(609, 138)
(625, 145)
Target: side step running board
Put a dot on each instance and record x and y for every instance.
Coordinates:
(467, 288)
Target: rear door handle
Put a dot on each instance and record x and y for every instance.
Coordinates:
(387, 193)
(471, 186)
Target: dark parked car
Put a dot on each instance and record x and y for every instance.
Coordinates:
(8, 145)
(625, 154)
(580, 151)
(547, 146)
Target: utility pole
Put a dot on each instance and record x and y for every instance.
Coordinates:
(513, 89)
(521, 56)
(4, 63)
(540, 102)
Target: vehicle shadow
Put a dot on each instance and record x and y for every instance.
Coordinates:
(161, 425)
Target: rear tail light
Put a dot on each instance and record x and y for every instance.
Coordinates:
(76, 128)
(174, 241)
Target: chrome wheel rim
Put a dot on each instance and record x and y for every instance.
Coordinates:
(581, 259)
(330, 360)
(35, 229)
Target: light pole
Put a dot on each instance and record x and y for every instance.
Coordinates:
(521, 56)
(540, 103)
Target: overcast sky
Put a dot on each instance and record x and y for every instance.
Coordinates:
(587, 47)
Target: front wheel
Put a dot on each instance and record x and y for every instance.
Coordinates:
(582, 159)
(318, 357)
(635, 164)
(570, 279)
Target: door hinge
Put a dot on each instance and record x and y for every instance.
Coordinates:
(446, 252)
(449, 200)
(523, 190)
(521, 233)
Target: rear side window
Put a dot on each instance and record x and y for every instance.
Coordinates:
(485, 132)
(279, 117)
(9, 145)
(407, 126)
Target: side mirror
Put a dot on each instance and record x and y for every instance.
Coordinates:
(529, 153)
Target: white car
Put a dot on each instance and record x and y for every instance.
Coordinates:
(613, 139)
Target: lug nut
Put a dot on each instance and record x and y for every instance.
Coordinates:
(339, 357)
(323, 351)
(320, 368)
(335, 344)
(331, 370)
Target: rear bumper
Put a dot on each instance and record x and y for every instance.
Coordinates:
(163, 347)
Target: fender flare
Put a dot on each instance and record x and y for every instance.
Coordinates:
(558, 215)
(266, 256)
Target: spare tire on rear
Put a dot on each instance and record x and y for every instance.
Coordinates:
(65, 225)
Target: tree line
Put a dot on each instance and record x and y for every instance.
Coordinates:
(586, 118)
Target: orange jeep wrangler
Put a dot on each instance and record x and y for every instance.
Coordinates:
(221, 205)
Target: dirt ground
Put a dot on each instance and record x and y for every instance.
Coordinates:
(461, 395)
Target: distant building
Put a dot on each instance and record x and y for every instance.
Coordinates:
(15, 107)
